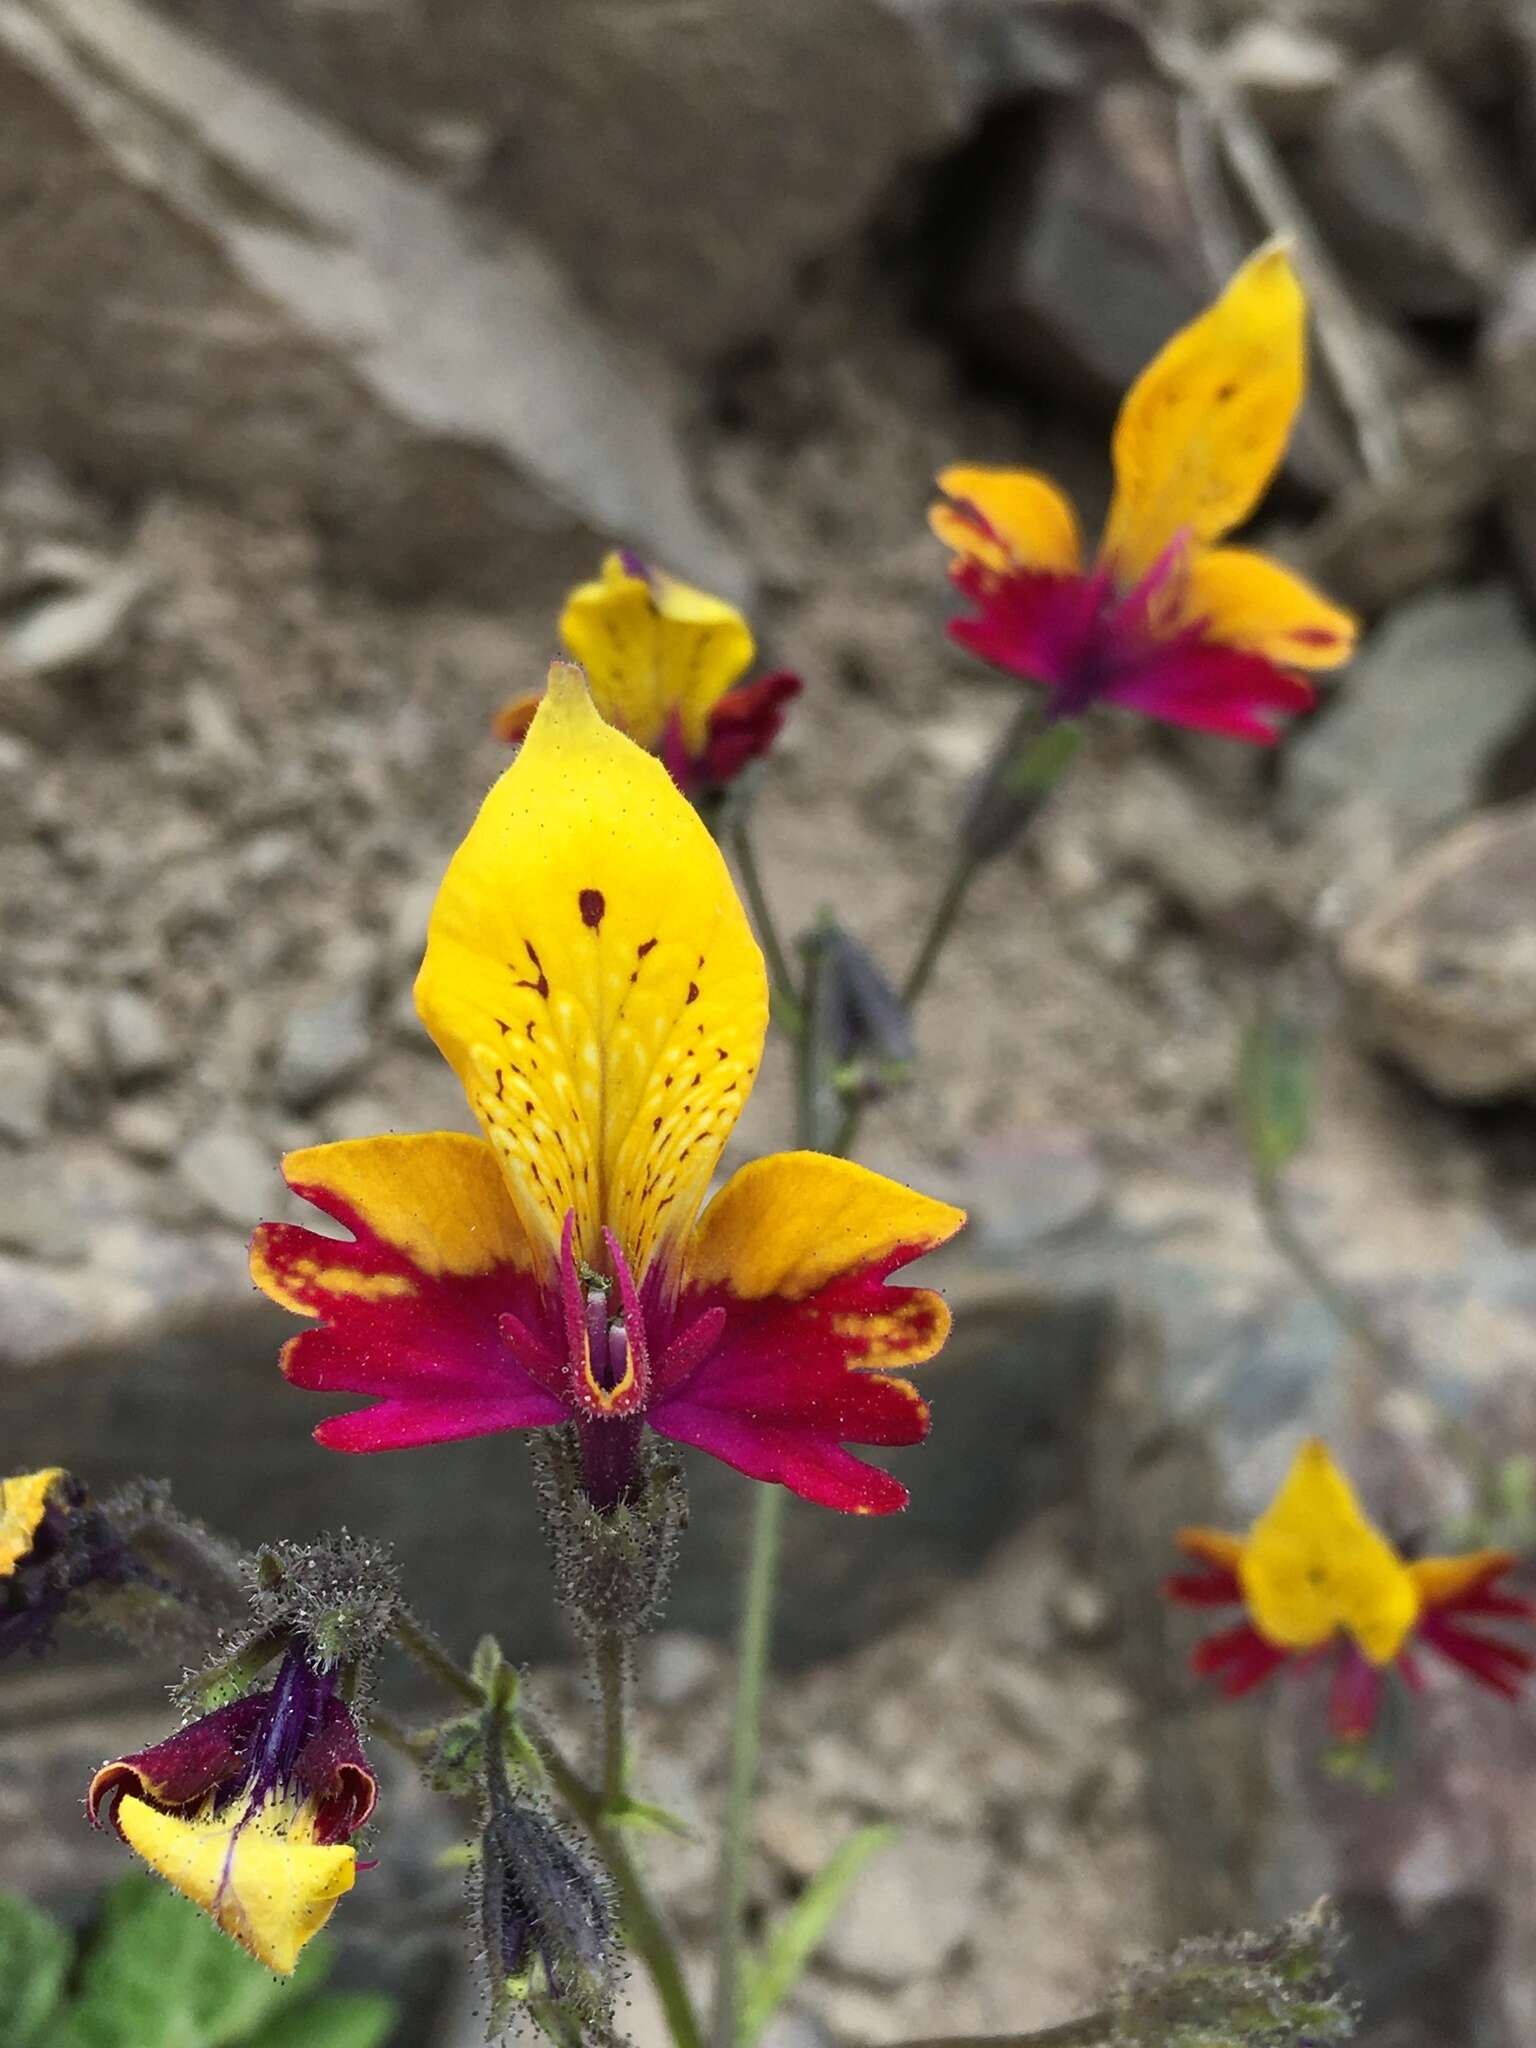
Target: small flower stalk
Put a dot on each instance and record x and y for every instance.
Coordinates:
(665, 663)
(1165, 620)
(1323, 1588)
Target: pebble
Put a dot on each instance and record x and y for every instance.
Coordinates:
(233, 1175)
(911, 1908)
(322, 1045)
(146, 1130)
(677, 1667)
(26, 1085)
(134, 1039)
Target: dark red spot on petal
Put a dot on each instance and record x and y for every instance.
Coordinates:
(592, 907)
(693, 991)
(641, 951)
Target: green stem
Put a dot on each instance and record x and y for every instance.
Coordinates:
(746, 1728)
(1097, 2031)
(941, 923)
(786, 1003)
(1461, 1443)
(643, 1924)
(611, 1678)
(423, 1648)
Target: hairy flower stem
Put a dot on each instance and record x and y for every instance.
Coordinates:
(424, 1650)
(643, 1925)
(611, 1678)
(1096, 2031)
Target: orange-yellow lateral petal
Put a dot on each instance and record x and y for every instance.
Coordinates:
(512, 721)
(1244, 600)
(1314, 1564)
(261, 1877)
(592, 979)
(1443, 1579)
(437, 1197)
(23, 1503)
(1203, 428)
(1007, 519)
(789, 1225)
(652, 647)
(1213, 1546)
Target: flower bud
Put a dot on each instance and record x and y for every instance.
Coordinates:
(545, 1914)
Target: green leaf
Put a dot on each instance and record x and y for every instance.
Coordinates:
(359, 2020)
(647, 1819)
(771, 1977)
(160, 1975)
(34, 1955)
(1274, 1089)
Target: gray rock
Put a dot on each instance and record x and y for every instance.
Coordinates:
(78, 604)
(135, 1041)
(910, 1910)
(680, 170)
(1284, 73)
(323, 1044)
(1422, 715)
(26, 1087)
(228, 293)
(1412, 197)
(147, 1130)
(1442, 968)
(232, 1174)
(1089, 254)
(1508, 366)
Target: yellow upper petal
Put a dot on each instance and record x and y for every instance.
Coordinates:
(1314, 1564)
(788, 1225)
(652, 646)
(1439, 1579)
(592, 979)
(260, 1876)
(23, 1503)
(1032, 525)
(1247, 601)
(1203, 428)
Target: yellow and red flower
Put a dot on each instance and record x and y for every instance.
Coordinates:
(592, 979)
(1321, 1584)
(1164, 621)
(54, 1543)
(249, 1812)
(664, 661)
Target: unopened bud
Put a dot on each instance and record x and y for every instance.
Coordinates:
(545, 1912)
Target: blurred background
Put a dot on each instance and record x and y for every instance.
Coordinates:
(337, 338)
